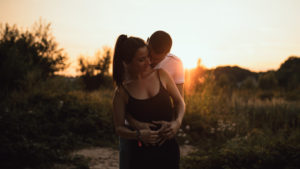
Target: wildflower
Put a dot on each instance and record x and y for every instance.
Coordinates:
(186, 142)
(187, 127)
(180, 130)
(220, 122)
(183, 135)
(60, 104)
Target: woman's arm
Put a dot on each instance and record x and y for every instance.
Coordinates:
(119, 104)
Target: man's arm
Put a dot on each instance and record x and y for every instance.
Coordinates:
(169, 129)
(138, 124)
(180, 88)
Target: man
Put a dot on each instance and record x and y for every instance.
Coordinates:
(159, 45)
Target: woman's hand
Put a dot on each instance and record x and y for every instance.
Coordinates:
(148, 136)
(168, 130)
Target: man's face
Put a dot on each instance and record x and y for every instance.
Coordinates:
(154, 57)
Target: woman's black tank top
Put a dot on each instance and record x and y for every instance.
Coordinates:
(158, 107)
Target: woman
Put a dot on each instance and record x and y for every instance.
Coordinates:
(145, 95)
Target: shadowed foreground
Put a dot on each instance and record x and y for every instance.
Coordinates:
(108, 158)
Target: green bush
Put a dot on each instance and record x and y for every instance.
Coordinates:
(27, 57)
(240, 130)
(41, 128)
(253, 151)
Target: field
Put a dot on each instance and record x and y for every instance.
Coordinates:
(235, 118)
(238, 130)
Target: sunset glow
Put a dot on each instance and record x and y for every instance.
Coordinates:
(257, 35)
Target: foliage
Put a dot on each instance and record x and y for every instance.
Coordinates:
(236, 118)
(43, 116)
(238, 129)
(230, 76)
(255, 151)
(281, 83)
(289, 73)
(42, 127)
(267, 80)
(27, 57)
(96, 74)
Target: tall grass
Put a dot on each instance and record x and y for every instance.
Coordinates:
(230, 128)
(239, 130)
(41, 126)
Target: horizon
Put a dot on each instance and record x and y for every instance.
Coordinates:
(190, 69)
(255, 35)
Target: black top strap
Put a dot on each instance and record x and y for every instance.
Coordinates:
(159, 77)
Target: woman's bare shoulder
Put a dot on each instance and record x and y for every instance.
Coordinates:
(163, 74)
(120, 92)
(164, 77)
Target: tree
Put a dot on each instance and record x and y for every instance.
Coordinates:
(28, 56)
(227, 76)
(96, 73)
(288, 74)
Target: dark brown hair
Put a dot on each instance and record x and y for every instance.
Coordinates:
(125, 50)
(160, 42)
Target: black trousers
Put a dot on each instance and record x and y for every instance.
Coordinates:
(166, 156)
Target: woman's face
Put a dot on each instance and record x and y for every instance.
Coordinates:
(140, 61)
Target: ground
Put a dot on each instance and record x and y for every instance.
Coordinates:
(108, 158)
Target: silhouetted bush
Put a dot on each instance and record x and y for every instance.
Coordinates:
(27, 57)
(96, 74)
(228, 76)
(289, 73)
(267, 81)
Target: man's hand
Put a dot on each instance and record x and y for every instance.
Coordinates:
(149, 136)
(168, 130)
(146, 126)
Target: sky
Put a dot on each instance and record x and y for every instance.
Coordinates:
(254, 34)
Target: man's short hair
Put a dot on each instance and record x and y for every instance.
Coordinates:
(160, 42)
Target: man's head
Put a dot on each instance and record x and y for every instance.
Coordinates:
(159, 44)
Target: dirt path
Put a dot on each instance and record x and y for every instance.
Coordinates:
(108, 158)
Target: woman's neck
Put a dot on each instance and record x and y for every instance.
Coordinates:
(139, 75)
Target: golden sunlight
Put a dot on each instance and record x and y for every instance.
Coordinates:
(256, 34)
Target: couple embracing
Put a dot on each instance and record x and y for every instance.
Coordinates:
(148, 102)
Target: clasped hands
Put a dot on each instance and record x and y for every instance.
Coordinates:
(167, 131)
